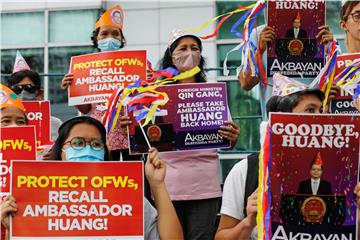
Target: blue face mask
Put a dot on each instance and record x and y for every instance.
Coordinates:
(84, 154)
(109, 44)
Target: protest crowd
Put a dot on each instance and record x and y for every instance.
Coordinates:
(141, 159)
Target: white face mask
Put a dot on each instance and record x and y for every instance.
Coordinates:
(185, 61)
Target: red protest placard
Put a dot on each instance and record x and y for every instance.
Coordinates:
(342, 103)
(38, 115)
(15, 143)
(312, 175)
(87, 200)
(98, 75)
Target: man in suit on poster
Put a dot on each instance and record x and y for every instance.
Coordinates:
(315, 185)
(296, 31)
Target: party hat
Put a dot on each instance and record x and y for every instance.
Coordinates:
(9, 99)
(112, 17)
(20, 63)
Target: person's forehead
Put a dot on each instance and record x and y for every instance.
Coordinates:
(25, 80)
(85, 130)
(109, 28)
(188, 40)
(11, 112)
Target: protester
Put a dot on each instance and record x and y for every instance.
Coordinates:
(107, 36)
(237, 221)
(350, 24)
(27, 85)
(263, 37)
(12, 110)
(12, 114)
(193, 176)
(83, 139)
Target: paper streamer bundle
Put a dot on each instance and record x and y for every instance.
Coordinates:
(141, 98)
(263, 218)
(248, 18)
(324, 80)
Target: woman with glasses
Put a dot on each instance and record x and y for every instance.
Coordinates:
(83, 139)
(350, 23)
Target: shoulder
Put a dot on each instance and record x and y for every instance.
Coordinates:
(239, 170)
(234, 191)
(305, 181)
(325, 182)
(150, 221)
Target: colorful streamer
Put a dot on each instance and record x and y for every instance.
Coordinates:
(249, 48)
(224, 17)
(324, 81)
(350, 72)
(142, 98)
(333, 50)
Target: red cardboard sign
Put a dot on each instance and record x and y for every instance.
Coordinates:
(98, 75)
(343, 101)
(308, 148)
(15, 143)
(38, 115)
(78, 200)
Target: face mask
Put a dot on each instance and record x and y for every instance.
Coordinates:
(26, 96)
(109, 44)
(185, 61)
(84, 154)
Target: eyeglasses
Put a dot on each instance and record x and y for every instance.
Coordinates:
(355, 16)
(27, 87)
(79, 143)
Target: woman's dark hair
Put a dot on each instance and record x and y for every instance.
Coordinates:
(166, 61)
(347, 8)
(18, 76)
(95, 33)
(289, 102)
(65, 129)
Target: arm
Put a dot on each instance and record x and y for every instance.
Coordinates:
(232, 228)
(7, 207)
(65, 83)
(267, 37)
(85, 108)
(168, 223)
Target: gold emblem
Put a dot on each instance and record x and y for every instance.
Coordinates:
(295, 47)
(154, 133)
(313, 209)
